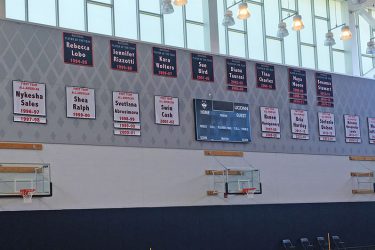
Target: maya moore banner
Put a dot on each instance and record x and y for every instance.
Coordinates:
(297, 86)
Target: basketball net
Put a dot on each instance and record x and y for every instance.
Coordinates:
(27, 195)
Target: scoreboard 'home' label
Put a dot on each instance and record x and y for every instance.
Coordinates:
(265, 76)
(77, 49)
(202, 67)
(164, 62)
(123, 56)
(80, 103)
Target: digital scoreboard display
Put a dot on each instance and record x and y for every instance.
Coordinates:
(221, 121)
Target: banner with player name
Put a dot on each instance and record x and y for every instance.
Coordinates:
(77, 49)
(202, 67)
(324, 90)
(164, 62)
(265, 76)
(166, 110)
(300, 124)
(352, 129)
(126, 113)
(327, 131)
(236, 75)
(80, 103)
(297, 86)
(123, 56)
(270, 121)
(371, 129)
(29, 102)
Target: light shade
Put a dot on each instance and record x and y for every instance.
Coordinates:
(370, 47)
(297, 23)
(180, 2)
(330, 41)
(166, 7)
(346, 34)
(282, 31)
(243, 11)
(228, 18)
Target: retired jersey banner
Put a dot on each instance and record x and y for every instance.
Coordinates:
(123, 56)
(265, 76)
(164, 62)
(29, 100)
(297, 86)
(80, 103)
(166, 110)
(352, 129)
(270, 121)
(77, 49)
(327, 131)
(202, 67)
(300, 124)
(125, 107)
(324, 89)
(371, 129)
(236, 72)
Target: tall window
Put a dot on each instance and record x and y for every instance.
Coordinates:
(365, 32)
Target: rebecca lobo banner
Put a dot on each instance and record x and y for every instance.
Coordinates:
(300, 124)
(265, 76)
(352, 129)
(327, 130)
(297, 86)
(126, 113)
(77, 49)
(371, 129)
(164, 62)
(236, 75)
(270, 121)
(29, 102)
(202, 67)
(80, 103)
(166, 110)
(123, 56)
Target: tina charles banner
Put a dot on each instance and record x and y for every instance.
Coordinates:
(265, 76)
(78, 49)
(164, 62)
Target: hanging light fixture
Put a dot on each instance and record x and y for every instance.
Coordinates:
(180, 2)
(371, 46)
(243, 11)
(282, 31)
(346, 34)
(167, 7)
(297, 23)
(330, 41)
(228, 18)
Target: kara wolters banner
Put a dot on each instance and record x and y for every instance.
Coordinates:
(77, 49)
(236, 75)
(126, 114)
(265, 76)
(327, 130)
(371, 129)
(29, 100)
(164, 62)
(297, 86)
(352, 129)
(270, 120)
(80, 103)
(166, 110)
(202, 67)
(300, 124)
(123, 56)
(324, 89)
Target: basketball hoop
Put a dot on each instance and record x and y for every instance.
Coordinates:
(27, 194)
(249, 192)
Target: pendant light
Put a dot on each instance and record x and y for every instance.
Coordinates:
(167, 7)
(180, 2)
(228, 18)
(297, 23)
(243, 11)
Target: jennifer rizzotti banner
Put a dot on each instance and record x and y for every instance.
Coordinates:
(300, 124)
(29, 102)
(371, 129)
(126, 113)
(352, 129)
(327, 130)
(270, 122)
(80, 103)
(166, 110)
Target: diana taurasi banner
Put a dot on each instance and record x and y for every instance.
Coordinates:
(80, 103)
(352, 129)
(202, 67)
(270, 121)
(123, 56)
(300, 124)
(236, 75)
(78, 49)
(126, 113)
(297, 86)
(166, 110)
(324, 90)
(164, 62)
(29, 102)
(265, 76)
(327, 131)
(371, 129)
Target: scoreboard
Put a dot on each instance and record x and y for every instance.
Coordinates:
(221, 121)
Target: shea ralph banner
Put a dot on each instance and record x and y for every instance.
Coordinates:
(166, 110)
(300, 124)
(29, 102)
(270, 120)
(80, 103)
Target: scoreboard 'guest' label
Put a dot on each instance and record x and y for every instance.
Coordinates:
(371, 129)
(77, 49)
(270, 121)
(327, 131)
(236, 75)
(202, 67)
(265, 76)
(297, 86)
(80, 103)
(352, 129)
(300, 124)
(164, 62)
(123, 56)
(29, 102)
(166, 110)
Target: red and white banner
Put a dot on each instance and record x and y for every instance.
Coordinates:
(371, 129)
(80, 103)
(352, 129)
(327, 131)
(125, 107)
(270, 121)
(166, 110)
(300, 124)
